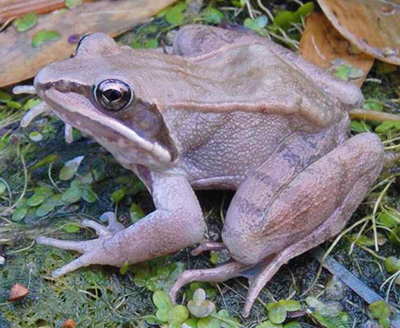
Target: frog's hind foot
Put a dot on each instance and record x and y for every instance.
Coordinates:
(219, 274)
(258, 275)
(93, 250)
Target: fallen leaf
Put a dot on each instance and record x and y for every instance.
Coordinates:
(17, 292)
(373, 26)
(10, 9)
(323, 46)
(20, 61)
(69, 324)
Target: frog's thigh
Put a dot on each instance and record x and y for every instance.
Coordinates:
(311, 207)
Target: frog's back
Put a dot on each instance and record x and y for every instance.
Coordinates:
(197, 40)
(239, 77)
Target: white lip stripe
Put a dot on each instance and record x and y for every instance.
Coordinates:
(156, 149)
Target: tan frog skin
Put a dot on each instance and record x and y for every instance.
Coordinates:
(227, 110)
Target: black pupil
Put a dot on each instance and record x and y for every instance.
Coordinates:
(112, 94)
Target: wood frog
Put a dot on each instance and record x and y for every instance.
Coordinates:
(226, 110)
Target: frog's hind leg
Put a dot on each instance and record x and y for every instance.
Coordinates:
(307, 210)
(282, 210)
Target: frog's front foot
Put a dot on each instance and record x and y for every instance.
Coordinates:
(94, 251)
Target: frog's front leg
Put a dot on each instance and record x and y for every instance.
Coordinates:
(276, 216)
(176, 223)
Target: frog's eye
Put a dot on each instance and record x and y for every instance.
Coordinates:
(113, 95)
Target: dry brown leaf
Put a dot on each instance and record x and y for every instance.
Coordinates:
(20, 61)
(17, 292)
(10, 9)
(322, 45)
(372, 25)
(69, 324)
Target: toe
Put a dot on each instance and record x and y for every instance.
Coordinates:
(81, 261)
(100, 230)
(78, 246)
(113, 225)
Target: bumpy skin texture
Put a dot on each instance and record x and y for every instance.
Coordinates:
(231, 111)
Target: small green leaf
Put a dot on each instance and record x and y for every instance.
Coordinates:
(124, 268)
(268, 324)
(4, 97)
(392, 264)
(175, 15)
(201, 309)
(46, 160)
(179, 313)
(257, 24)
(14, 104)
(191, 323)
(153, 320)
(213, 16)
(394, 235)
(162, 314)
(342, 72)
(88, 195)
(71, 228)
(31, 103)
(35, 200)
(136, 212)
(384, 127)
(373, 105)
(26, 22)
(3, 188)
(36, 136)
(239, 3)
(208, 322)
(276, 313)
(305, 9)
(151, 44)
(199, 295)
(284, 18)
(384, 323)
(161, 300)
(292, 324)
(357, 126)
(44, 36)
(45, 208)
(71, 195)
(70, 168)
(43, 191)
(71, 4)
(261, 21)
(380, 310)
(290, 305)
(19, 214)
(136, 45)
(118, 194)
